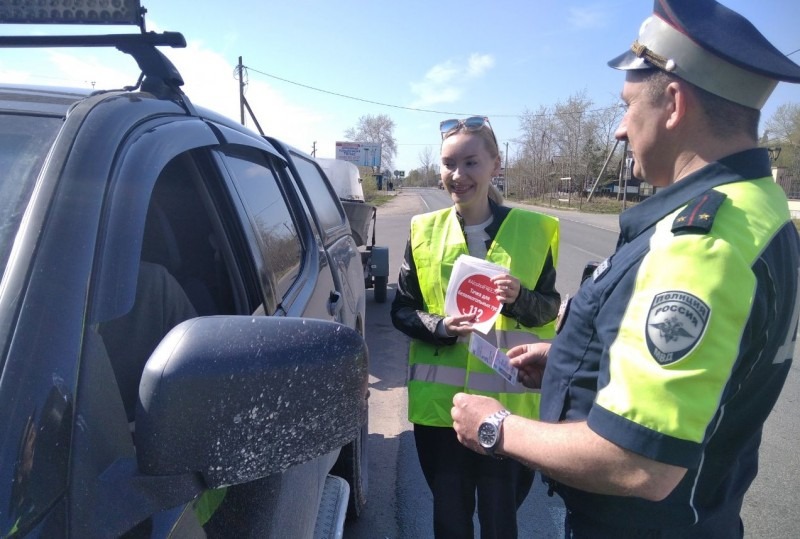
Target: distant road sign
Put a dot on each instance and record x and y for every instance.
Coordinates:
(363, 154)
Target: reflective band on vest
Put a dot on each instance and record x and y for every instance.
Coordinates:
(478, 381)
(436, 374)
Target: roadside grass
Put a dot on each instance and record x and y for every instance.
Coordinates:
(597, 205)
(371, 193)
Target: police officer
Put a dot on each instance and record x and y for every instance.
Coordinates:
(440, 364)
(674, 351)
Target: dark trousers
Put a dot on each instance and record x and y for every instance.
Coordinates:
(454, 475)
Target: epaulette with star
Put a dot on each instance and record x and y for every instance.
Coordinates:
(698, 216)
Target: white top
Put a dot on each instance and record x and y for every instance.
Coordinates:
(477, 237)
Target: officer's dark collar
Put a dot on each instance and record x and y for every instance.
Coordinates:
(746, 165)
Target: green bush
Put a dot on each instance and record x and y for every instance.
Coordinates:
(371, 193)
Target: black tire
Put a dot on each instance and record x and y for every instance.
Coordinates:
(353, 467)
(380, 289)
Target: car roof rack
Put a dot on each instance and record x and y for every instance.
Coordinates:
(158, 74)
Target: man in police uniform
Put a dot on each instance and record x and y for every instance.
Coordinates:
(674, 351)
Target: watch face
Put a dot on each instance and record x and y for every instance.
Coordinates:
(487, 435)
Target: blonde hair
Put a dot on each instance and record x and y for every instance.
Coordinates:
(485, 132)
(490, 142)
(495, 194)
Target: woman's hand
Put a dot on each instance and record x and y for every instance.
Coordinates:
(507, 288)
(531, 360)
(460, 325)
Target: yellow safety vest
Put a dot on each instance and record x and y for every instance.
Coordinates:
(437, 373)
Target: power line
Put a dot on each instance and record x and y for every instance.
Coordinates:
(363, 100)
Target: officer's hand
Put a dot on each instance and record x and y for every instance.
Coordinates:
(468, 412)
(530, 359)
(507, 288)
(459, 325)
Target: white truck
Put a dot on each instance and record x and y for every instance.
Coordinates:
(346, 181)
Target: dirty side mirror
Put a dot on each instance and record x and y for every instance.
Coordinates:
(237, 398)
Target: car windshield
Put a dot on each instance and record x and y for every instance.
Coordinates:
(24, 143)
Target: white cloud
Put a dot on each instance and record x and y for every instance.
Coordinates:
(479, 64)
(442, 73)
(445, 82)
(211, 82)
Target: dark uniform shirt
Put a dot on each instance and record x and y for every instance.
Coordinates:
(677, 347)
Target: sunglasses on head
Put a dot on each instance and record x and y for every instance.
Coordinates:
(473, 123)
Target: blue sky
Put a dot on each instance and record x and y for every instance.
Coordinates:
(456, 58)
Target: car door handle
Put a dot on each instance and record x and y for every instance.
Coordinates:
(335, 303)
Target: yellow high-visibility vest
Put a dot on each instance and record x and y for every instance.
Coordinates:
(437, 373)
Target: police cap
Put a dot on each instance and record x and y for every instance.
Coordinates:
(710, 46)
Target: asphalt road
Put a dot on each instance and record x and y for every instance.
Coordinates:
(399, 505)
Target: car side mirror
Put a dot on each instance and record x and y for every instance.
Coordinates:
(237, 398)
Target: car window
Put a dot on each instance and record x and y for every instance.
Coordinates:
(24, 143)
(323, 198)
(182, 273)
(271, 219)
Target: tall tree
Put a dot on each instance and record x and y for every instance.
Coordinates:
(569, 139)
(535, 159)
(427, 161)
(573, 128)
(374, 129)
(782, 130)
(783, 126)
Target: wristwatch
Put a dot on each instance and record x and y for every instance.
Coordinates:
(490, 431)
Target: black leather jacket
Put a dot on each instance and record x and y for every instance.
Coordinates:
(531, 308)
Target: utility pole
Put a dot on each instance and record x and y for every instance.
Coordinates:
(505, 174)
(241, 90)
(623, 175)
(602, 170)
(314, 149)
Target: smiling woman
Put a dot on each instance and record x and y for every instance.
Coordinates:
(524, 244)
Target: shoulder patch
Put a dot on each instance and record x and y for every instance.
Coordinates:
(698, 216)
(675, 323)
(601, 269)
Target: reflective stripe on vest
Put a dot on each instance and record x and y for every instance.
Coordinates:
(506, 339)
(454, 376)
(437, 373)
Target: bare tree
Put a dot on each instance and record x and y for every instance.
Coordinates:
(784, 125)
(574, 128)
(427, 161)
(782, 130)
(535, 157)
(568, 140)
(376, 129)
(605, 121)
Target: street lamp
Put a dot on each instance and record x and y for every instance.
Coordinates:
(774, 153)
